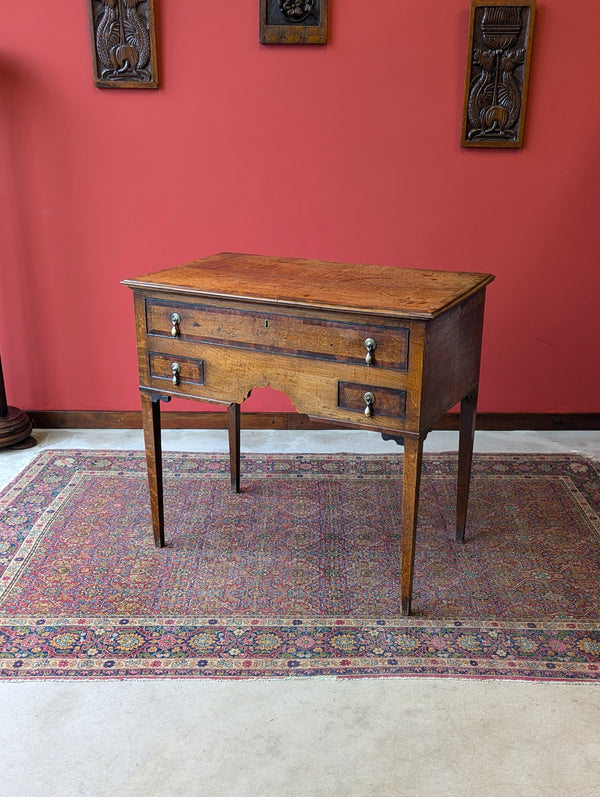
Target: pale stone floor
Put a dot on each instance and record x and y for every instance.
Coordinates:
(299, 737)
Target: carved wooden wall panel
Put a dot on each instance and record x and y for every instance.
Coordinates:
(123, 40)
(293, 21)
(497, 78)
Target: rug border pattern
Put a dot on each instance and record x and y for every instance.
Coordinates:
(243, 647)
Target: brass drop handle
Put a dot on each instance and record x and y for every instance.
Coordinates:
(369, 401)
(370, 346)
(176, 321)
(176, 371)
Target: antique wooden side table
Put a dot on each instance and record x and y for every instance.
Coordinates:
(381, 348)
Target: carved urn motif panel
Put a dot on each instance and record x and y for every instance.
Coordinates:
(497, 79)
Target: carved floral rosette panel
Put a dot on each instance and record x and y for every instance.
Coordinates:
(497, 77)
(293, 21)
(123, 41)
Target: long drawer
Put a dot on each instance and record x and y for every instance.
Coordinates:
(267, 331)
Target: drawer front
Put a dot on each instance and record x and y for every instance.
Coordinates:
(317, 388)
(178, 370)
(381, 401)
(291, 335)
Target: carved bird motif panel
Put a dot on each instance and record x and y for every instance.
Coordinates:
(123, 43)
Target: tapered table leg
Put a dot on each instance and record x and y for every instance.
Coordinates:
(233, 427)
(468, 412)
(151, 424)
(413, 460)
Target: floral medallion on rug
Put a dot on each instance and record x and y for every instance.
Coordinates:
(299, 574)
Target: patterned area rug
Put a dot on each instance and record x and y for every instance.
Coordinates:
(299, 574)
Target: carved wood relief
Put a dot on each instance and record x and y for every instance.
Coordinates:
(497, 76)
(123, 40)
(293, 21)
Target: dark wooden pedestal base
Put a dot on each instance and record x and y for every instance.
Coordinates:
(15, 429)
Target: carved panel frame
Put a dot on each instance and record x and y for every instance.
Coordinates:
(293, 21)
(123, 42)
(497, 73)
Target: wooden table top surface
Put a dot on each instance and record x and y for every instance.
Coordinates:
(318, 284)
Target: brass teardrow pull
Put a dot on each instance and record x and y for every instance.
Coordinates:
(369, 401)
(176, 371)
(370, 346)
(176, 321)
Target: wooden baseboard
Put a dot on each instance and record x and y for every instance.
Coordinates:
(75, 419)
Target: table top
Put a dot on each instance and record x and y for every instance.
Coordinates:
(318, 284)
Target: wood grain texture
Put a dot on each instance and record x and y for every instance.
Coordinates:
(376, 290)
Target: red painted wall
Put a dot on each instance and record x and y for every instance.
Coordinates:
(346, 152)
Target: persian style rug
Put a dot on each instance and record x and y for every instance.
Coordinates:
(299, 574)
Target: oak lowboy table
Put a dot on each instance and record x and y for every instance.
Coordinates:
(381, 348)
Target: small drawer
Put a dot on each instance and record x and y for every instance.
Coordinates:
(260, 329)
(178, 370)
(386, 401)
